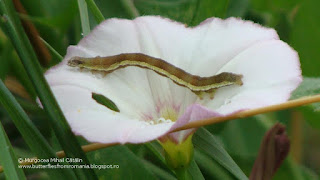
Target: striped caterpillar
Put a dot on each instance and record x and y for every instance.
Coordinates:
(198, 85)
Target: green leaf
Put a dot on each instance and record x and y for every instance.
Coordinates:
(248, 132)
(8, 159)
(160, 173)
(157, 155)
(54, 52)
(242, 139)
(156, 149)
(95, 11)
(21, 74)
(101, 99)
(311, 112)
(129, 165)
(211, 168)
(29, 132)
(308, 87)
(11, 24)
(206, 142)
(305, 36)
(5, 52)
(244, 148)
(85, 24)
(194, 171)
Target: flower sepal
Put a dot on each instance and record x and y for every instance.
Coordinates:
(178, 156)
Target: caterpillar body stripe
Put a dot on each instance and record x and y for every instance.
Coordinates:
(195, 83)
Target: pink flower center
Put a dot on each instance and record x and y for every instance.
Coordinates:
(165, 113)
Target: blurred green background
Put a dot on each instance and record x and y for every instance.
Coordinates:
(296, 21)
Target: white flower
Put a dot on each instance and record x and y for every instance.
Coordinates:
(151, 105)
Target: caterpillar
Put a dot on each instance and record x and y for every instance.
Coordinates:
(196, 84)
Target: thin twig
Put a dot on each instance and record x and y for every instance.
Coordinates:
(252, 112)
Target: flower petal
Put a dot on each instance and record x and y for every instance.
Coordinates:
(271, 71)
(221, 40)
(194, 112)
(97, 123)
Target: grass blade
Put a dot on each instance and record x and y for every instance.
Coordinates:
(8, 158)
(10, 24)
(211, 168)
(54, 52)
(206, 142)
(29, 132)
(130, 8)
(84, 17)
(160, 173)
(194, 170)
(98, 16)
(155, 149)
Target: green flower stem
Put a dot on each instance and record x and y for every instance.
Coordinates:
(95, 11)
(11, 25)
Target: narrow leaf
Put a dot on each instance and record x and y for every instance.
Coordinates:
(54, 52)
(311, 112)
(126, 165)
(309, 87)
(154, 147)
(101, 99)
(209, 144)
(194, 171)
(162, 174)
(210, 167)
(84, 17)
(12, 26)
(29, 132)
(8, 158)
(95, 11)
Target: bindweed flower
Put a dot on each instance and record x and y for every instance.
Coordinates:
(152, 105)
